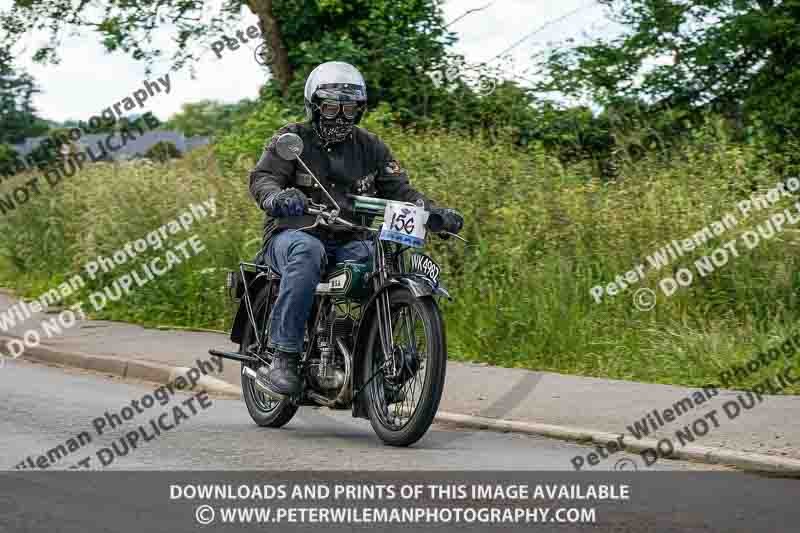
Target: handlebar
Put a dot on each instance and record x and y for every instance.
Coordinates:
(332, 217)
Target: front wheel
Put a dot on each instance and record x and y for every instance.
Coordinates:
(403, 395)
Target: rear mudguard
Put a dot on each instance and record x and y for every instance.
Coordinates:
(240, 320)
(420, 287)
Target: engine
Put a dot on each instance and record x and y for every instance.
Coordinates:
(330, 372)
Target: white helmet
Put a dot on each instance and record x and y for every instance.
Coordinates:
(335, 99)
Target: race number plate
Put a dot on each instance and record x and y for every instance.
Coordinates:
(404, 223)
(425, 266)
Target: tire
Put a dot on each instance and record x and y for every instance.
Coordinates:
(434, 363)
(265, 411)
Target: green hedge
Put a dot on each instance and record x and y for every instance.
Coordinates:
(541, 235)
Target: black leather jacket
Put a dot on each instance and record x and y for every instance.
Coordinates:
(361, 165)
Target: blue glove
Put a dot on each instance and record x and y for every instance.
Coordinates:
(286, 203)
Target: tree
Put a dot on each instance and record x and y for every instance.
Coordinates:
(393, 41)
(9, 161)
(17, 115)
(740, 57)
(208, 117)
(163, 151)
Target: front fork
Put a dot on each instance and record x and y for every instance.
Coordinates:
(384, 312)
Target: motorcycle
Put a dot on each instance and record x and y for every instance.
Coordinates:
(375, 340)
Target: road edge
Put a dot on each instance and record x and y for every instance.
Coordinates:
(126, 367)
(747, 461)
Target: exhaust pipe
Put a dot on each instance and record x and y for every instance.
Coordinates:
(345, 395)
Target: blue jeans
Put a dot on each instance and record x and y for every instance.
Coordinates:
(301, 260)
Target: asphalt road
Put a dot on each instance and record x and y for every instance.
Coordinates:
(43, 407)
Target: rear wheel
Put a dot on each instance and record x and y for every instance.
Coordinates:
(401, 404)
(264, 410)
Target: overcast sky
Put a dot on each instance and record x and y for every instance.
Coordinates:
(88, 79)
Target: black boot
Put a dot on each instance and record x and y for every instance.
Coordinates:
(282, 379)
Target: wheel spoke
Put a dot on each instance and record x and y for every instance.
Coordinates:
(410, 340)
(410, 332)
(264, 402)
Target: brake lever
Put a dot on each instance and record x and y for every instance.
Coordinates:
(459, 237)
(314, 225)
(320, 219)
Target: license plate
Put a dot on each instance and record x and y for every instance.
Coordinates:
(425, 266)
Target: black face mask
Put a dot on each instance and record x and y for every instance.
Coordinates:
(333, 130)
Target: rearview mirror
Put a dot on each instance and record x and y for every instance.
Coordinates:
(289, 146)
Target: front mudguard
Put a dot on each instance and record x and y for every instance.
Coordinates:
(420, 287)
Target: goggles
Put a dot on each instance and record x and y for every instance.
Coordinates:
(330, 109)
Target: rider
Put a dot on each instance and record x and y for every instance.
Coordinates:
(347, 160)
